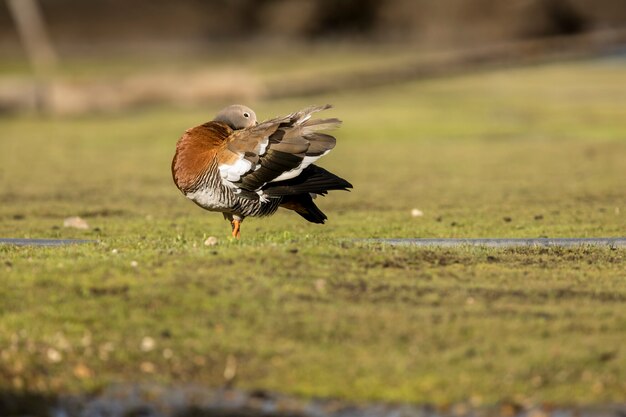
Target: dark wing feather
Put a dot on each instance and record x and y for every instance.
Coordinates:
(276, 150)
(312, 180)
(271, 166)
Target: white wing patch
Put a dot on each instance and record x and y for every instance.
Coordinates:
(308, 160)
(232, 173)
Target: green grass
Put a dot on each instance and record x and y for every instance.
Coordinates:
(303, 309)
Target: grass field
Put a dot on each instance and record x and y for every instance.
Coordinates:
(302, 309)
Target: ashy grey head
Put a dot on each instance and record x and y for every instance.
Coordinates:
(237, 116)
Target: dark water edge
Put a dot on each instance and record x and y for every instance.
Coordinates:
(195, 401)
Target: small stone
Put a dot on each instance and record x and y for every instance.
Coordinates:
(147, 367)
(417, 213)
(147, 344)
(76, 223)
(54, 355)
(230, 370)
(114, 251)
(82, 372)
(210, 241)
(134, 264)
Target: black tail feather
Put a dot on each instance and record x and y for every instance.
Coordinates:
(303, 205)
(312, 179)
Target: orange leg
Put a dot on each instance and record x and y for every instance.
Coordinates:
(236, 228)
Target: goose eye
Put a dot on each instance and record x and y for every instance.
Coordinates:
(246, 115)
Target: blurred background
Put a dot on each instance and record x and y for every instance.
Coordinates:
(111, 55)
(461, 118)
